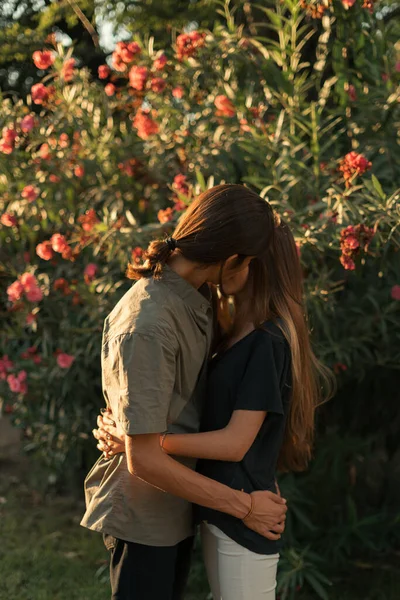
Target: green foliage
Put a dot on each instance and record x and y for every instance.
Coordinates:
(272, 110)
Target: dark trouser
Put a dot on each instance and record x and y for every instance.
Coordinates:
(139, 572)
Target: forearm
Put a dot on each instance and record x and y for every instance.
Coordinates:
(164, 472)
(216, 445)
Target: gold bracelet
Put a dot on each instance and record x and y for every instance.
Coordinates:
(164, 435)
(250, 509)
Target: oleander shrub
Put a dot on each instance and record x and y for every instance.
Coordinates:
(305, 110)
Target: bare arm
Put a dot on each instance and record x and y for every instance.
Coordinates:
(228, 444)
(147, 461)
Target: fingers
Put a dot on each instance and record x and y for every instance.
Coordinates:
(278, 528)
(276, 498)
(104, 421)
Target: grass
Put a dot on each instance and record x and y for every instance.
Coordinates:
(46, 555)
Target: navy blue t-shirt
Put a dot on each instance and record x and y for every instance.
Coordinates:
(253, 374)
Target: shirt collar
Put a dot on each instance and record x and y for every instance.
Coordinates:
(198, 299)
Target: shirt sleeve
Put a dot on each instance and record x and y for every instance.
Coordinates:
(260, 388)
(147, 366)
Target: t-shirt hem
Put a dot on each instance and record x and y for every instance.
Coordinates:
(110, 530)
(155, 427)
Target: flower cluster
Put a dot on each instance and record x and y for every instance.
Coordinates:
(7, 141)
(188, 43)
(88, 220)
(41, 94)
(225, 106)
(32, 354)
(124, 54)
(43, 59)
(17, 383)
(144, 124)
(315, 8)
(353, 239)
(26, 284)
(57, 243)
(352, 165)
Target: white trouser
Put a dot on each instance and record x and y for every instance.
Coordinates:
(235, 573)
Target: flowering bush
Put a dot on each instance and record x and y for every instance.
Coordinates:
(91, 171)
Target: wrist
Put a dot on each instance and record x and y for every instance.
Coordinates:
(242, 505)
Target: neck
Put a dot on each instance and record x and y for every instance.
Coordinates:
(188, 270)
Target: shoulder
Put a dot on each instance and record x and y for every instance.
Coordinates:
(270, 333)
(271, 343)
(144, 310)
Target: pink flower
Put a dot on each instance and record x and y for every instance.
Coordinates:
(117, 63)
(225, 106)
(88, 220)
(352, 242)
(79, 171)
(348, 3)
(28, 281)
(178, 92)
(144, 125)
(40, 93)
(67, 70)
(110, 89)
(63, 140)
(5, 147)
(54, 178)
(395, 292)
(104, 71)
(158, 84)
(17, 383)
(137, 254)
(30, 318)
(351, 92)
(43, 60)
(347, 262)
(180, 184)
(5, 365)
(138, 77)
(9, 135)
(44, 152)
(30, 193)
(27, 123)
(352, 165)
(34, 294)
(65, 360)
(8, 220)
(90, 272)
(44, 250)
(15, 291)
(160, 62)
(58, 242)
(188, 43)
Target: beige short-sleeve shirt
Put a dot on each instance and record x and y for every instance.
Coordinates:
(154, 354)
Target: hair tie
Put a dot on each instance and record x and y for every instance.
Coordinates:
(171, 243)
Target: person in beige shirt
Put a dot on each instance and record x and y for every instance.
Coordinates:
(156, 342)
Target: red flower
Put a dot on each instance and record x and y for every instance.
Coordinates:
(8, 220)
(88, 220)
(180, 184)
(62, 285)
(67, 70)
(352, 165)
(352, 239)
(225, 106)
(79, 171)
(64, 360)
(158, 84)
(351, 92)
(138, 77)
(137, 255)
(90, 272)
(166, 215)
(188, 43)
(117, 63)
(339, 367)
(30, 193)
(347, 262)
(9, 135)
(27, 123)
(43, 59)
(127, 52)
(54, 178)
(395, 292)
(40, 93)
(144, 125)
(348, 3)
(160, 62)
(128, 166)
(5, 147)
(30, 318)
(110, 89)
(44, 250)
(58, 242)
(103, 71)
(178, 92)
